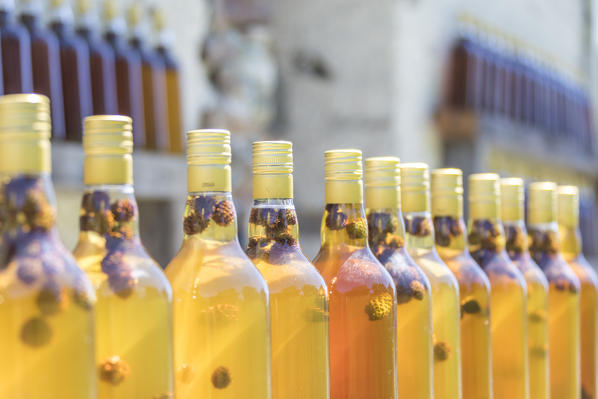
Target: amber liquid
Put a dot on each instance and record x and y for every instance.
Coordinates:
(564, 313)
(129, 85)
(173, 101)
(362, 347)
(537, 309)
(16, 53)
(45, 63)
(414, 304)
(588, 308)
(298, 310)
(221, 323)
(129, 318)
(153, 75)
(76, 80)
(46, 339)
(445, 309)
(103, 74)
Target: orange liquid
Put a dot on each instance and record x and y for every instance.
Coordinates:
(362, 351)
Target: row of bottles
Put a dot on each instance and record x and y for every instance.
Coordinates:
(86, 69)
(402, 300)
(487, 75)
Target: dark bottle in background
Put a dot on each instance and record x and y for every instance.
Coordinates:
(129, 83)
(153, 73)
(173, 95)
(74, 61)
(17, 76)
(101, 60)
(45, 62)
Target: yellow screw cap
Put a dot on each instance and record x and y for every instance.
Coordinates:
(382, 181)
(272, 169)
(208, 160)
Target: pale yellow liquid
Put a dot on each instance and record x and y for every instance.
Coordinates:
(508, 322)
(414, 349)
(445, 321)
(220, 322)
(476, 362)
(63, 368)
(589, 323)
(137, 328)
(299, 325)
(537, 331)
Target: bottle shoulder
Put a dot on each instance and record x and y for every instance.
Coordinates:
(434, 267)
(585, 272)
(348, 268)
(212, 266)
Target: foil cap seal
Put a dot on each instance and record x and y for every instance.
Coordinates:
(568, 206)
(343, 172)
(446, 186)
(272, 164)
(542, 202)
(108, 145)
(512, 196)
(415, 187)
(208, 160)
(25, 128)
(382, 183)
(484, 196)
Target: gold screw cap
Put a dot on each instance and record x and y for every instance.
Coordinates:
(484, 192)
(542, 202)
(25, 127)
(108, 145)
(447, 192)
(382, 181)
(415, 187)
(511, 199)
(343, 172)
(272, 169)
(568, 206)
(208, 160)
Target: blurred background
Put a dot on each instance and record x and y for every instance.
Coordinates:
(506, 86)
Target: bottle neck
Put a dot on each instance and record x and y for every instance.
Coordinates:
(449, 234)
(344, 223)
(6, 17)
(27, 205)
(273, 229)
(485, 238)
(543, 241)
(210, 216)
(386, 231)
(30, 21)
(516, 239)
(570, 241)
(109, 212)
(419, 231)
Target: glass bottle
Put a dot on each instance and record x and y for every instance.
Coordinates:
(133, 315)
(474, 287)
(173, 95)
(45, 62)
(508, 291)
(101, 61)
(415, 199)
(17, 75)
(362, 297)
(298, 296)
(511, 200)
(129, 82)
(568, 220)
(46, 338)
(153, 74)
(386, 237)
(221, 317)
(74, 62)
